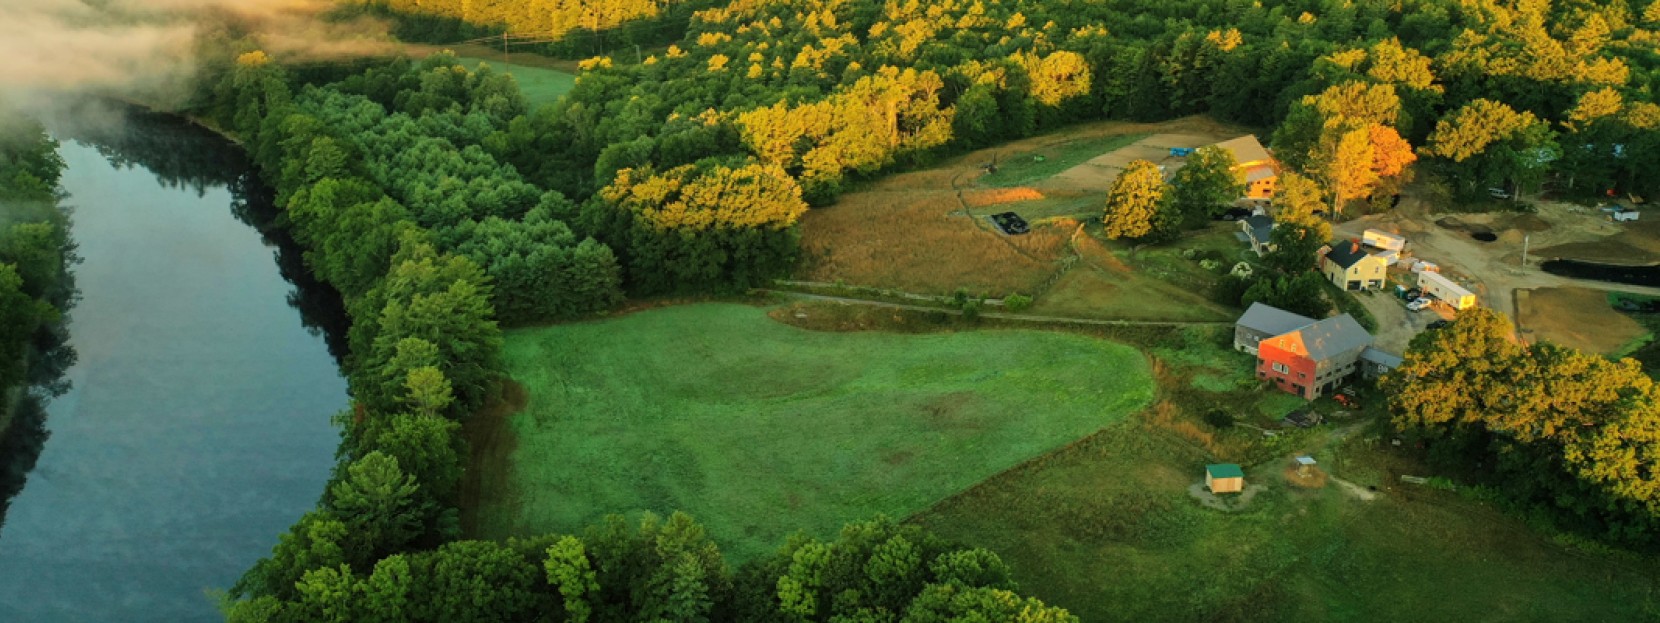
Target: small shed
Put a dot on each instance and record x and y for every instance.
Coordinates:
(1224, 478)
(1303, 463)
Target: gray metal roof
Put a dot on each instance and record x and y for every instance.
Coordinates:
(1261, 226)
(1271, 320)
(1326, 338)
(1384, 359)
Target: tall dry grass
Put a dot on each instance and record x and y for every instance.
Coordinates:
(922, 241)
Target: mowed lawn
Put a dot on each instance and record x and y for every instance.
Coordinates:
(539, 84)
(760, 429)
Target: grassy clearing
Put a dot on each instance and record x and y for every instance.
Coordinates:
(1101, 284)
(1644, 348)
(1578, 317)
(541, 85)
(760, 429)
(1105, 527)
(1027, 166)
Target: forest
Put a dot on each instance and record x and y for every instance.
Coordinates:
(442, 207)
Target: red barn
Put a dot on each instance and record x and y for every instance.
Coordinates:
(1315, 359)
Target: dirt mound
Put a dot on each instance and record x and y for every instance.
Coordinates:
(1512, 236)
(999, 196)
(1454, 223)
(1313, 478)
(1529, 223)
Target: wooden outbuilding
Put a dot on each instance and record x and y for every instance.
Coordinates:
(1303, 463)
(1224, 478)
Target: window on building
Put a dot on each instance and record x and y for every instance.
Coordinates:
(1301, 376)
(1281, 368)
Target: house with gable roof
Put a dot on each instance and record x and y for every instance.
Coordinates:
(1255, 164)
(1257, 230)
(1309, 358)
(1352, 266)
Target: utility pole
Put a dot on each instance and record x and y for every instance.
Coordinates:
(1525, 240)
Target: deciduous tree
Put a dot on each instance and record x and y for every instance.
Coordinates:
(1136, 205)
(1205, 186)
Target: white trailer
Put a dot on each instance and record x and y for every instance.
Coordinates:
(1438, 286)
(1382, 240)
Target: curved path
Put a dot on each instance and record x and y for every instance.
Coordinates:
(1036, 318)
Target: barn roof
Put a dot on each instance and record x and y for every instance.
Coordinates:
(1245, 149)
(1224, 470)
(1324, 339)
(1271, 320)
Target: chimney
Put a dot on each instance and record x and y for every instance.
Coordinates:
(1354, 245)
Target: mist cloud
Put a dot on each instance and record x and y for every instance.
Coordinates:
(143, 49)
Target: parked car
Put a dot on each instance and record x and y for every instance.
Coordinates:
(1417, 304)
(1437, 324)
(1413, 294)
(1234, 214)
(1010, 223)
(1498, 193)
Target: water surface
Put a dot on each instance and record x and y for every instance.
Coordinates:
(197, 424)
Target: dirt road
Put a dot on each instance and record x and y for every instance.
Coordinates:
(1036, 318)
(1492, 270)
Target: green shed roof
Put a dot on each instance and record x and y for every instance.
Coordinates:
(1225, 470)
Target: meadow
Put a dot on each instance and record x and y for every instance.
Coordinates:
(760, 429)
(1028, 166)
(541, 85)
(1105, 527)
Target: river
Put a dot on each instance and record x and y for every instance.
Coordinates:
(196, 427)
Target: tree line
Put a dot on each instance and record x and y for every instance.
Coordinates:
(653, 569)
(1495, 95)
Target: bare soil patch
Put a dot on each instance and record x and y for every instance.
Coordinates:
(1577, 317)
(1305, 478)
(1000, 196)
(490, 446)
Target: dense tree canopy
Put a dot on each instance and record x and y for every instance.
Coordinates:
(1566, 429)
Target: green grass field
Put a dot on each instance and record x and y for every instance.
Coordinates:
(540, 85)
(1105, 528)
(1022, 168)
(760, 429)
